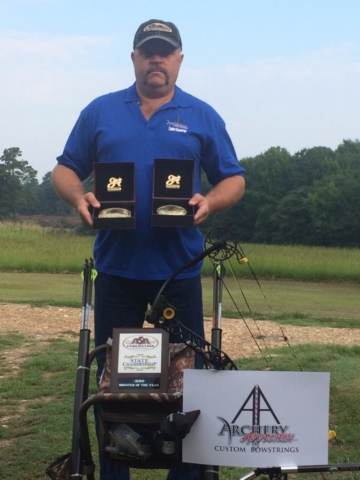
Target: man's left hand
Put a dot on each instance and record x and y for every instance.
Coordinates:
(202, 208)
(222, 196)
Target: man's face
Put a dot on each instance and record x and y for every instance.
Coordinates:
(156, 65)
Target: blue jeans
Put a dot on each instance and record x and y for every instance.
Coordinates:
(122, 303)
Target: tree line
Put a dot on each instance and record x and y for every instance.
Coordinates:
(20, 191)
(309, 198)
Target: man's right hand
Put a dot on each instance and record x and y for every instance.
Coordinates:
(85, 206)
(69, 187)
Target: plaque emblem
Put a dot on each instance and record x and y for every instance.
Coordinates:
(139, 360)
(114, 184)
(115, 213)
(140, 342)
(173, 181)
(171, 210)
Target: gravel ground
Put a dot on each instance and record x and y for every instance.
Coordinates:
(239, 339)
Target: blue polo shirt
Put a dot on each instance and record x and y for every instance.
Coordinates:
(112, 128)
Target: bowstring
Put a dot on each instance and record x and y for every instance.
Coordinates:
(261, 336)
(273, 317)
(243, 318)
(272, 314)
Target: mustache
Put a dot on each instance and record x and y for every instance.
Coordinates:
(157, 68)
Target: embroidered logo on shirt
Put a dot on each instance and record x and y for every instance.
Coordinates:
(177, 126)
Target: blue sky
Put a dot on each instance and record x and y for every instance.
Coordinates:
(280, 72)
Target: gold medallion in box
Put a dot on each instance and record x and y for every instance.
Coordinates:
(115, 213)
(171, 210)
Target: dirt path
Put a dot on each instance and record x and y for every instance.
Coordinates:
(51, 322)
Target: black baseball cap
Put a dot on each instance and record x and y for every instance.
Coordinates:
(157, 29)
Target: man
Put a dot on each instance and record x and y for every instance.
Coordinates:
(133, 125)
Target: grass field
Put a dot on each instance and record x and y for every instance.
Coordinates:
(298, 285)
(301, 303)
(31, 248)
(37, 401)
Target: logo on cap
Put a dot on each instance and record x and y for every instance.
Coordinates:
(158, 27)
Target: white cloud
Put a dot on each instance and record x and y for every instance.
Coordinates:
(292, 102)
(11, 2)
(44, 85)
(29, 48)
(44, 71)
(295, 103)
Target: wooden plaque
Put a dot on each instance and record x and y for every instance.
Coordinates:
(140, 360)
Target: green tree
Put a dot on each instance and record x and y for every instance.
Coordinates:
(293, 219)
(50, 202)
(15, 174)
(31, 203)
(267, 182)
(311, 165)
(16, 167)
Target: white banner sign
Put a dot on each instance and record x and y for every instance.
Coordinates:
(257, 419)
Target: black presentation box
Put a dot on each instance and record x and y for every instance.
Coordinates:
(114, 187)
(173, 187)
